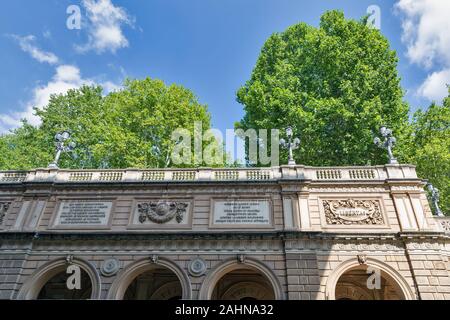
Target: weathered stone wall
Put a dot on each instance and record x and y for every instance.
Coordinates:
(300, 251)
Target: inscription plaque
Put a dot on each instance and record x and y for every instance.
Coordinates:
(83, 213)
(241, 212)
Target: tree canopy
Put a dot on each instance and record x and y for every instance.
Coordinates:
(335, 85)
(429, 148)
(131, 127)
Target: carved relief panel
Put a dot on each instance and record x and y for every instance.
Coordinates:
(157, 213)
(353, 213)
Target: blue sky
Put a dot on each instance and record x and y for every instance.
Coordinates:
(209, 46)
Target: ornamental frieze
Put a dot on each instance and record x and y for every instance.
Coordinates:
(353, 212)
(4, 206)
(162, 211)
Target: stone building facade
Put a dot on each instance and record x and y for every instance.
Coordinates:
(289, 232)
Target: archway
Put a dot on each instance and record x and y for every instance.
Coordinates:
(56, 287)
(155, 284)
(249, 280)
(50, 282)
(373, 280)
(243, 284)
(160, 279)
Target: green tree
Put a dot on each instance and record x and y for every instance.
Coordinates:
(430, 148)
(335, 85)
(131, 127)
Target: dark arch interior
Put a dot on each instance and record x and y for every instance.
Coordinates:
(243, 284)
(353, 285)
(56, 288)
(155, 284)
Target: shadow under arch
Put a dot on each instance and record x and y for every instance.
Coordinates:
(130, 272)
(353, 263)
(232, 264)
(36, 281)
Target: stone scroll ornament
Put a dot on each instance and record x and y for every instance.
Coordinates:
(162, 211)
(350, 211)
(4, 206)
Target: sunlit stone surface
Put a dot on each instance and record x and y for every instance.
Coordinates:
(289, 232)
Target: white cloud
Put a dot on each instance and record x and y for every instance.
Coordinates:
(104, 26)
(27, 44)
(66, 77)
(425, 32)
(109, 86)
(433, 88)
(47, 34)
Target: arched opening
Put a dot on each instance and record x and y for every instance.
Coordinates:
(159, 283)
(361, 283)
(56, 287)
(241, 280)
(243, 284)
(346, 282)
(49, 281)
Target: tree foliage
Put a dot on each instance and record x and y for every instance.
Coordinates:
(429, 148)
(127, 128)
(335, 85)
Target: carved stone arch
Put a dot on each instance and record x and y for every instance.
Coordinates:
(129, 273)
(232, 264)
(353, 263)
(36, 281)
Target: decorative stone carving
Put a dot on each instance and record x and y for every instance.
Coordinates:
(197, 267)
(445, 224)
(69, 259)
(241, 258)
(162, 211)
(350, 212)
(110, 267)
(4, 206)
(362, 258)
(154, 258)
(424, 245)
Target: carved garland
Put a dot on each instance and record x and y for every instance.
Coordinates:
(350, 211)
(162, 211)
(4, 206)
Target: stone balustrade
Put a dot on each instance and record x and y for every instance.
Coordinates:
(367, 173)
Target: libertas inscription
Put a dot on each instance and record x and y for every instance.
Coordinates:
(353, 211)
(83, 213)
